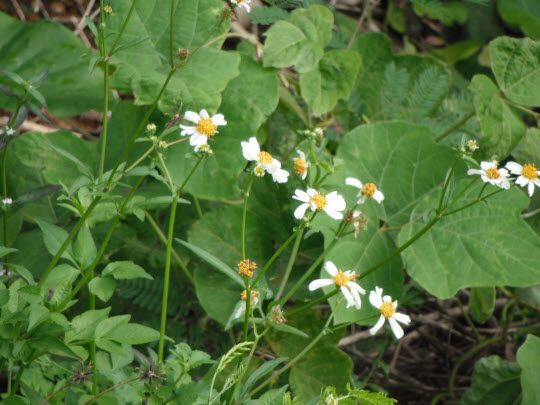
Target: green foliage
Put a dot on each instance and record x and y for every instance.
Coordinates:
(447, 12)
(527, 357)
(267, 15)
(524, 13)
(482, 303)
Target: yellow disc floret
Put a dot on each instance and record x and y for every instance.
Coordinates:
(342, 278)
(319, 200)
(529, 171)
(493, 173)
(254, 294)
(369, 189)
(245, 268)
(206, 127)
(387, 309)
(265, 157)
(300, 166)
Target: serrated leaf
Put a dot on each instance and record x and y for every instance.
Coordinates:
(333, 79)
(125, 270)
(501, 128)
(486, 242)
(84, 248)
(494, 381)
(300, 41)
(516, 65)
(528, 356)
(133, 334)
(54, 237)
(84, 325)
(102, 287)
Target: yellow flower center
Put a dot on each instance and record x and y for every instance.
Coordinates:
(300, 166)
(387, 309)
(245, 268)
(206, 127)
(493, 173)
(253, 294)
(342, 278)
(265, 157)
(319, 200)
(530, 171)
(369, 189)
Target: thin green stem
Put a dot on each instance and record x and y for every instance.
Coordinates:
(18, 378)
(293, 361)
(458, 125)
(163, 238)
(446, 183)
(93, 364)
(165, 295)
(290, 264)
(247, 188)
(197, 205)
(171, 37)
(248, 309)
(128, 17)
(472, 203)
(4, 189)
(460, 194)
(110, 389)
(166, 170)
(134, 165)
(56, 392)
(103, 137)
(273, 258)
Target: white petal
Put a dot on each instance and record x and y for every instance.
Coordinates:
(192, 116)
(246, 6)
(398, 332)
(531, 188)
(375, 297)
(348, 297)
(378, 325)
(475, 171)
(356, 297)
(249, 150)
(537, 182)
(353, 286)
(351, 181)
(504, 173)
(198, 139)
(304, 175)
(280, 176)
(311, 192)
(387, 298)
(219, 119)
(404, 319)
(187, 130)
(335, 201)
(333, 214)
(322, 282)
(514, 167)
(301, 154)
(488, 165)
(331, 268)
(272, 167)
(378, 196)
(301, 196)
(522, 181)
(204, 114)
(300, 211)
(503, 183)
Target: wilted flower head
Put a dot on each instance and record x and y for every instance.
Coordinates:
(276, 314)
(81, 375)
(528, 175)
(359, 220)
(330, 400)
(151, 373)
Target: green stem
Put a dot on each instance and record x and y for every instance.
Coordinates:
(290, 264)
(163, 238)
(472, 203)
(92, 306)
(248, 309)
(446, 182)
(103, 137)
(293, 361)
(68, 240)
(461, 193)
(110, 389)
(4, 214)
(166, 170)
(56, 392)
(247, 188)
(273, 258)
(18, 379)
(134, 165)
(464, 357)
(171, 37)
(166, 277)
(128, 17)
(459, 124)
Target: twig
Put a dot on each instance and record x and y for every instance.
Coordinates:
(42, 7)
(18, 10)
(82, 22)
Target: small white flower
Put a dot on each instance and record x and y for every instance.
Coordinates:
(206, 127)
(368, 190)
(331, 203)
(7, 201)
(345, 280)
(242, 308)
(300, 164)
(471, 145)
(8, 131)
(491, 174)
(528, 175)
(388, 311)
(265, 161)
(330, 400)
(242, 3)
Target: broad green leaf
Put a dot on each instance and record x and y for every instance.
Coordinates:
(482, 303)
(69, 89)
(22, 271)
(143, 69)
(38, 314)
(103, 287)
(133, 334)
(524, 13)
(110, 325)
(300, 41)
(62, 272)
(501, 127)
(400, 159)
(528, 149)
(217, 175)
(333, 79)
(84, 325)
(125, 270)
(447, 12)
(54, 237)
(516, 65)
(84, 248)
(480, 246)
(495, 381)
(4, 297)
(528, 357)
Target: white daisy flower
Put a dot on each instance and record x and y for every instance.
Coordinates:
(368, 190)
(265, 161)
(206, 127)
(242, 3)
(300, 164)
(528, 175)
(388, 311)
(331, 203)
(491, 174)
(254, 301)
(7, 201)
(345, 280)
